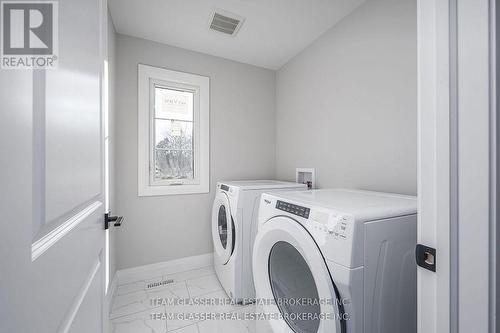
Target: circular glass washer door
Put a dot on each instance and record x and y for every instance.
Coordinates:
(222, 227)
(289, 269)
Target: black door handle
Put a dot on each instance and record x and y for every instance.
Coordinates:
(118, 220)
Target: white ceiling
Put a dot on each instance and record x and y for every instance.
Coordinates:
(273, 32)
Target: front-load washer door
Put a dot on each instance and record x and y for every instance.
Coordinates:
(222, 227)
(293, 282)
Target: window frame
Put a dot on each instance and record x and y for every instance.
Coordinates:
(149, 78)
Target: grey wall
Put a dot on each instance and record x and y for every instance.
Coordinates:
(112, 142)
(242, 127)
(347, 105)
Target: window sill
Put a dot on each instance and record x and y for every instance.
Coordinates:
(150, 191)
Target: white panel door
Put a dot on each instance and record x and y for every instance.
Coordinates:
(51, 184)
(456, 161)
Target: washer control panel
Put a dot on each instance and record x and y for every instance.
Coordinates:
(293, 209)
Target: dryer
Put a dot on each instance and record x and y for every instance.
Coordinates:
(234, 225)
(348, 255)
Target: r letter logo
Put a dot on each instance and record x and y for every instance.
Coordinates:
(29, 34)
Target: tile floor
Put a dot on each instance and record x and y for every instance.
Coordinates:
(179, 306)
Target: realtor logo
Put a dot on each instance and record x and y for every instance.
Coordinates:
(29, 34)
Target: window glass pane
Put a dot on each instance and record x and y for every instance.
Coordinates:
(173, 104)
(173, 124)
(173, 134)
(173, 164)
(291, 279)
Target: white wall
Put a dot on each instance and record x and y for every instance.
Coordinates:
(347, 105)
(242, 123)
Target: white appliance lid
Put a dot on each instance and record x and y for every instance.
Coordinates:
(364, 205)
(262, 184)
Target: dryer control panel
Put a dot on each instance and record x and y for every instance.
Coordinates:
(293, 209)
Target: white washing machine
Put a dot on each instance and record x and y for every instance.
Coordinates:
(234, 225)
(347, 255)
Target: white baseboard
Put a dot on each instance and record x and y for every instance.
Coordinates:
(163, 268)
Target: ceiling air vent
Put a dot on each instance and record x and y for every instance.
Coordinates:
(225, 22)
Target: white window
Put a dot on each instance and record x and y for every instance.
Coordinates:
(173, 132)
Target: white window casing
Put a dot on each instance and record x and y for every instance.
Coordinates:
(149, 78)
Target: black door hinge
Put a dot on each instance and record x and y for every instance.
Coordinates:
(426, 257)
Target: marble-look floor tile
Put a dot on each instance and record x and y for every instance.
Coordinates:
(187, 305)
(236, 323)
(144, 300)
(215, 302)
(203, 285)
(188, 329)
(198, 309)
(140, 322)
(191, 274)
(261, 326)
(241, 320)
